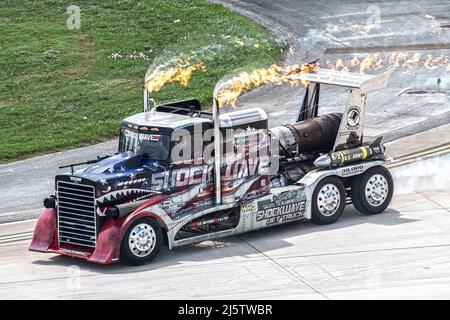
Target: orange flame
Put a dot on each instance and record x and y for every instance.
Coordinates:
(245, 81)
(397, 59)
(181, 74)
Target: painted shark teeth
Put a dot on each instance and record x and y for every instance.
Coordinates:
(122, 193)
(131, 182)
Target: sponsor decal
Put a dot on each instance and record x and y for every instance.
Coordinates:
(78, 253)
(129, 133)
(351, 170)
(250, 137)
(231, 171)
(150, 137)
(248, 208)
(347, 155)
(376, 150)
(287, 206)
(353, 118)
(181, 177)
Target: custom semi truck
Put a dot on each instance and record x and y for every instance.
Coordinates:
(183, 175)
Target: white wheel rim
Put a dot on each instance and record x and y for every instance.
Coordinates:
(142, 240)
(328, 199)
(377, 190)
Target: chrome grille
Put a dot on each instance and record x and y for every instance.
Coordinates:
(76, 214)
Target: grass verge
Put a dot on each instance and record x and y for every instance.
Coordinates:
(63, 88)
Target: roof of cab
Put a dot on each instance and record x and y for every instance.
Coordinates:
(164, 119)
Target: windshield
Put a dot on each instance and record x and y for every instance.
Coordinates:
(155, 146)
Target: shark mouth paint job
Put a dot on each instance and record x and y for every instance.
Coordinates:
(135, 194)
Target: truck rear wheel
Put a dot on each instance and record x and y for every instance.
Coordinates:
(142, 242)
(372, 191)
(328, 201)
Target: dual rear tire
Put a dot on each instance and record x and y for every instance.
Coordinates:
(371, 193)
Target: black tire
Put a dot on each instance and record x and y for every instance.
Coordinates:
(367, 204)
(137, 255)
(318, 216)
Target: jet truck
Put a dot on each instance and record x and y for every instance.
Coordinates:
(183, 175)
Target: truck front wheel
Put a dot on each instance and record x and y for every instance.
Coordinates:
(328, 201)
(142, 242)
(372, 191)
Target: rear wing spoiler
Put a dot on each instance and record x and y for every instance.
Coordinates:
(352, 123)
(364, 82)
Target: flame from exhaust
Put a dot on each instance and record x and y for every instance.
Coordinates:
(181, 74)
(181, 68)
(229, 92)
(397, 59)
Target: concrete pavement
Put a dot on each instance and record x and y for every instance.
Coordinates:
(403, 253)
(422, 140)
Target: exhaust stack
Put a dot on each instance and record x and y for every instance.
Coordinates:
(217, 152)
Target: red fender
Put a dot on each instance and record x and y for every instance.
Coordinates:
(110, 236)
(44, 231)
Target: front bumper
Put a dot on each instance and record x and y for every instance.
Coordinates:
(45, 239)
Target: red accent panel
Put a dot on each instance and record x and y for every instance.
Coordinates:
(140, 212)
(107, 240)
(111, 234)
(44, 231)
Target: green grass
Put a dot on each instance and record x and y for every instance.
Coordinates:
(61, 88)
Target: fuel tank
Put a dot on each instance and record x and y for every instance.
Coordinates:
(315, 134)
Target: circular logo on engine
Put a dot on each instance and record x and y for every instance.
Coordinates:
(353, 118)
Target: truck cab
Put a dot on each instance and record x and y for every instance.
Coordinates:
(156, 132)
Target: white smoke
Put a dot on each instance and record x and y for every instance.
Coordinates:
(429, 174)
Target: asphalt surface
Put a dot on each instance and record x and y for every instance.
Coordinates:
(25, 184)
(332, 30)
(402, 253)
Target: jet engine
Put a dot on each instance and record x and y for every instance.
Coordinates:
(299, 144)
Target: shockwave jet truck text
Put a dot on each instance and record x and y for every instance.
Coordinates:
(168, 186)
